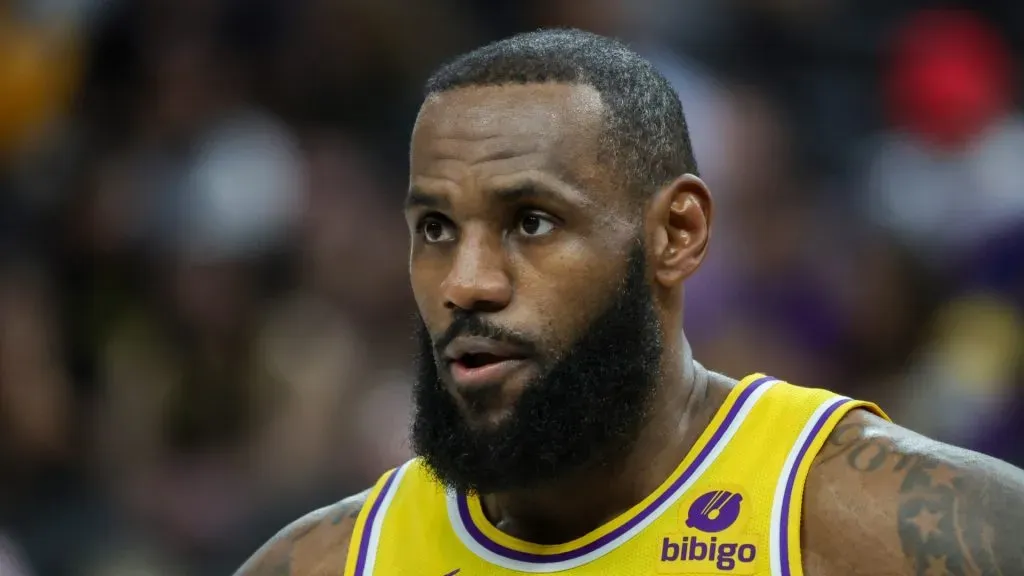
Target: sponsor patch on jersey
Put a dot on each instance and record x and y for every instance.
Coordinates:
(712, 538)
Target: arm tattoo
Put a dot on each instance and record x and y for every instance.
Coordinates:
(951, 520)
(282, 569)
(347, 510)
(277, 558)
(866, 453)
(959, 522)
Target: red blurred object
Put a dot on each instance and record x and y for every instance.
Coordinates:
(950, 77)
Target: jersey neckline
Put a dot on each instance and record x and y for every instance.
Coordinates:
(487, 541)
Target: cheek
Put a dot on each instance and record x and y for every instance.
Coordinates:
(566, 292)
(425, 281)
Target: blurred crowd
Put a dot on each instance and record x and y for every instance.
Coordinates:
(204, 307)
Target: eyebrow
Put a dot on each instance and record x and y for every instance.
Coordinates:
(511, 194)
(417, 198)
(528, 191)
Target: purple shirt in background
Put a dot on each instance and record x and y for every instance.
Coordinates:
(1004, 439)
(998, 268)
(794, 303)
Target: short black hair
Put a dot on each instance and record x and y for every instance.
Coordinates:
(645, 138)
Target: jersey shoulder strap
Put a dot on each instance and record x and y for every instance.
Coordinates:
(787, 514)
(362, 550)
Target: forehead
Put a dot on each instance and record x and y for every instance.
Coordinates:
(547, 126)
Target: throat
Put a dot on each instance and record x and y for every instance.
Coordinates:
(572, 508)
(559, 514)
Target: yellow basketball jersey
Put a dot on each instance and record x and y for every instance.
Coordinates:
(732, 506)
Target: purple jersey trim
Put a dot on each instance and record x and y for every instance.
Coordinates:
(787, 497)
(364, 540)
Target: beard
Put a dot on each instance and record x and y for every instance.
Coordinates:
(584, 412)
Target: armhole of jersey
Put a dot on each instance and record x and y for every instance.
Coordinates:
(789, 495)
(362, 547)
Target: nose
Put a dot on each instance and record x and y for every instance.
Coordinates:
(478, 280)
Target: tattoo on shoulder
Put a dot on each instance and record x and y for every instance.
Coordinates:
(951, 520)
(864, 452)
(284, 568)
(277, 560)
(348, 509)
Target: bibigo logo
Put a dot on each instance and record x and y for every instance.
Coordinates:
(713, 540)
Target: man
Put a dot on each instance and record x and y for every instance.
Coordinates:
(562, 425)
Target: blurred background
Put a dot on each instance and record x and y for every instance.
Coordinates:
(204, 305)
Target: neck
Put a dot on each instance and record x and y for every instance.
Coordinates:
(571, 507)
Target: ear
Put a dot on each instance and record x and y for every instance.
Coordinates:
(679, 226)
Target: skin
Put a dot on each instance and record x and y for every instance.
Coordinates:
(879, 499)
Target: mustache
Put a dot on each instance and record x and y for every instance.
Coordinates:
(471, 324)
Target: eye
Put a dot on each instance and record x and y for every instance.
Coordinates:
(533, 224)
(435, 230)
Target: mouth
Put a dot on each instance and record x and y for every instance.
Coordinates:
(482, 359)
(481, 372)
(482, 363)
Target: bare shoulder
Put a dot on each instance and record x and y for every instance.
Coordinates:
(881, 499)
(314, 545)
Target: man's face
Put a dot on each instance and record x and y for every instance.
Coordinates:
(539, 338)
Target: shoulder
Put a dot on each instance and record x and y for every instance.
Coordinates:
(314, 545)
(881, 499)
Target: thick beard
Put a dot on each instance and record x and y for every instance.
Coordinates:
(585, 412)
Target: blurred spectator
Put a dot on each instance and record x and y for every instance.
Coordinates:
(12, 561)
(975, 360)
(204, 303)
(39, 63)
(950, 170)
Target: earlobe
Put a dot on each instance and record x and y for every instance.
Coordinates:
(683, 212)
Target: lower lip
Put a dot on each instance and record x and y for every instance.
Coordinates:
(486, 374)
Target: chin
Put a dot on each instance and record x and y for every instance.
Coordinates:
(489, 421)
(486, 407)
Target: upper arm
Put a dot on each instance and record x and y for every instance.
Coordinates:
(314, 545)
(883, 500)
